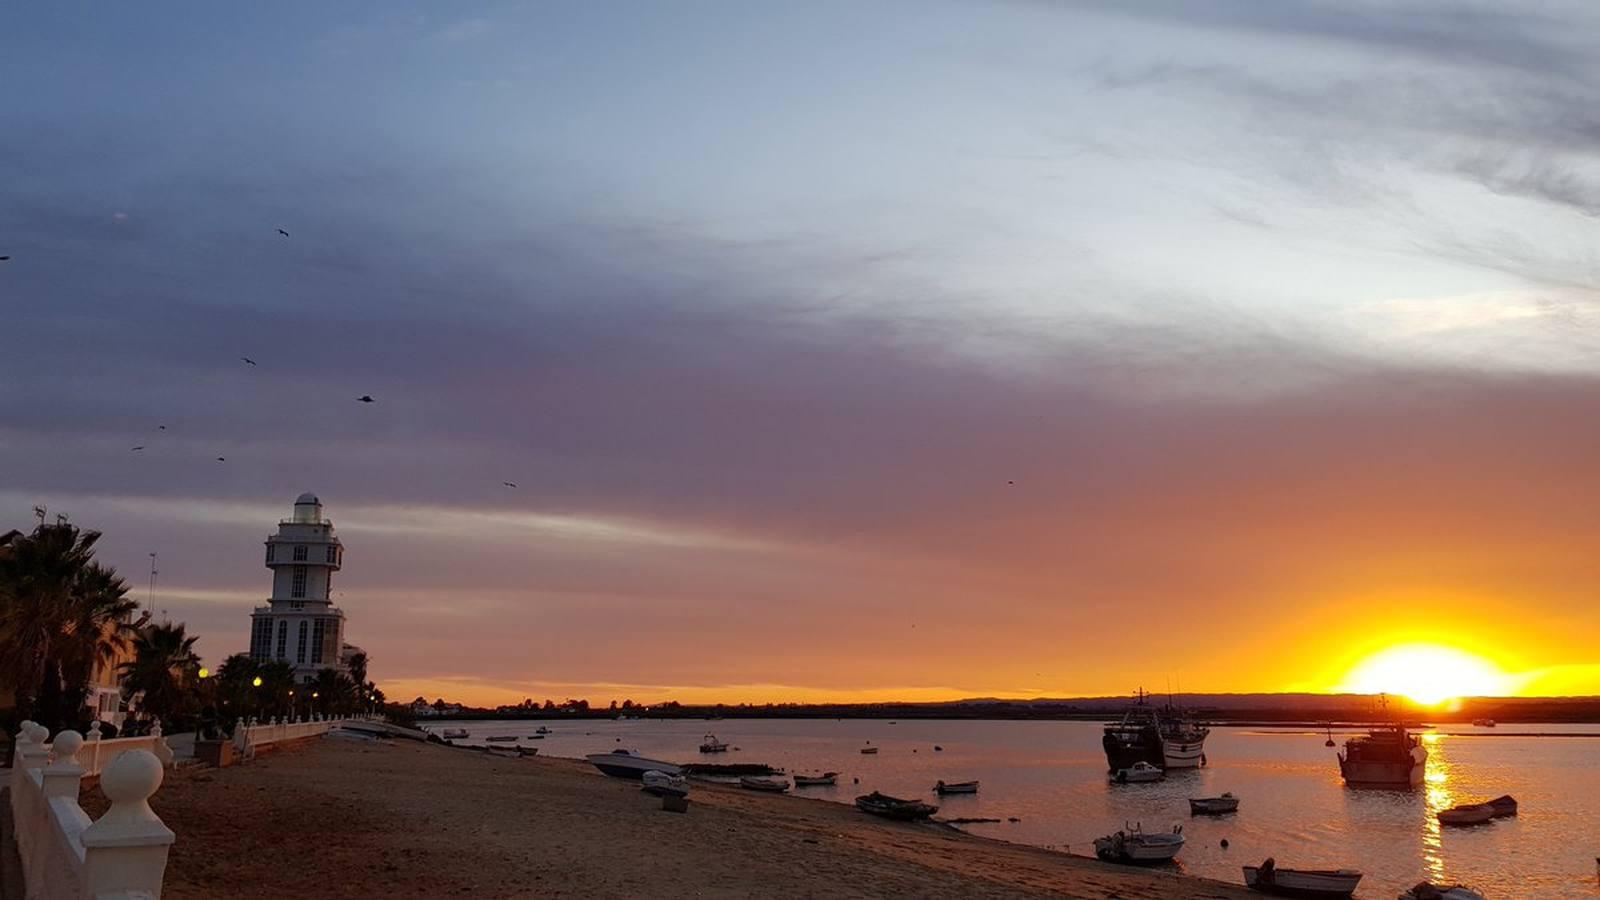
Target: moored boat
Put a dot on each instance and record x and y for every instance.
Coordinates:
(501, 738)
(1132, 845)
(664, 785)
(1269, 879)
(455, 734)
(1183, 743)
(542, 729)
(955, 787)
(1136, 738)
(1387, 756)
(1213, 806)
(825, 779)
(869, 751)
(710, 744)
(894, 807)
(1427, 890)
(767, 783)
(1504, 805)
(1466, 814)
(1483, 723)
(1137, 773)
(628, 764)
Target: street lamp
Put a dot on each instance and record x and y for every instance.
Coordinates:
(256, 682)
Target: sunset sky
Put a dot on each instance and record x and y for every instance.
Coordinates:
(840, 351)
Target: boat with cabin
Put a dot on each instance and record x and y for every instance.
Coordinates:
(1269, 879)
(629, 764)
(1387, 756)
(1133, 845)
(1135, 738)
(1213, 806)
(710, 744)
(1138, 773)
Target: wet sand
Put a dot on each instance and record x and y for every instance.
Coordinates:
(343, 819)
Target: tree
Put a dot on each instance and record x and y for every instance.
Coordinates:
(60, 613)
(163, 670)
(358, 667)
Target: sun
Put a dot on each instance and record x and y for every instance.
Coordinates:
(1427, 673)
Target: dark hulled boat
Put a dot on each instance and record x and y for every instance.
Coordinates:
(1137, 738)
(1388, 756)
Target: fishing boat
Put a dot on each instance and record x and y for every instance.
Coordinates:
(1132, 845)
(501, 738)
(1183, 743)
(542, 729)
(1387, 756)
(664, 785)
(1137, 773)
(1504, 805)
(894, 808)
(710, 744)
(1427, 890)
(455, 734)
(1269, 879)
(823, 780)
(629, 764)
(955, 787)
(765, 783)
(1136, 738)
(869, 751)
(1466, 814)
(1213, 806)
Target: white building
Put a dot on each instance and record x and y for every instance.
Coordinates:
(301, 626)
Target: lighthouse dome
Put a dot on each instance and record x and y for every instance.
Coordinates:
(307, 497)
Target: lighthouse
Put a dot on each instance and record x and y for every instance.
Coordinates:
(300, 625)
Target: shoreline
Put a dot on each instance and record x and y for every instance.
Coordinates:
(340, 819)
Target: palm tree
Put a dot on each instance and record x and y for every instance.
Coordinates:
(60, 612)
(358, 667)
(163, 670)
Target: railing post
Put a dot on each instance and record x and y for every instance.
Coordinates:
(92, 740)
(125, 852)
(159, 747)
(62, 777)
(33, 754)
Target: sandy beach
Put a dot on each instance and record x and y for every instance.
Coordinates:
(336, 819)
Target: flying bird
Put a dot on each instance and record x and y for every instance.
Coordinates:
(282, 232)
(248, 360)
(365, 398)
(161, 428)
(1011, 482)
(510, 484)
(222, 459)
(4, 258)
(140, 447)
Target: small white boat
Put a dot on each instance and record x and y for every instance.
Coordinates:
(710, 744)
(1213, 806)
(955, 787)
(455, 734)
(628, 764)
(767, 783)
(1132, 845)
(823, 780)
(1466, 814)
(1138, 772)
(500, 738)
(1428, 891)
(664, 785)
(1269, 879)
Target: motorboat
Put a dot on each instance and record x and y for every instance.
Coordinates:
(894, 807)
(542, 729)
(1213, 806)
(710, 744)
(1504, 805)
(825, 779)
(629, 764)
(1466, 814)
(1483, 723)
(1138, 772)
(767, 783)
(955, 787)
(1269, 879)
(1388, 756)
(501, 738)
(1427, 890)
(1183, 743)
(869, 751)
(455, 734)
(1135, 738)
(1132, 845)
(664, 785)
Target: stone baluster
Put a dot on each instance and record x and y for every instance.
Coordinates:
(89, 758)
(125, 851)
(32, 753)
(62, 777)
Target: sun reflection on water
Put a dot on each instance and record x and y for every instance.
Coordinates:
(1436, 783)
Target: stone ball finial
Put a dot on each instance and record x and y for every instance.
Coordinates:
(66, 747)
(37, 733)
(94, 731)
(25, 730)
(132, 777)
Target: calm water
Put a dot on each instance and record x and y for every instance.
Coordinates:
(1293, 805)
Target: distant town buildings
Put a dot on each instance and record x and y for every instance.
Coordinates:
(300, 625)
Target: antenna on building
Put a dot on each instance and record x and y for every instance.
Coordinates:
(149, 599)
